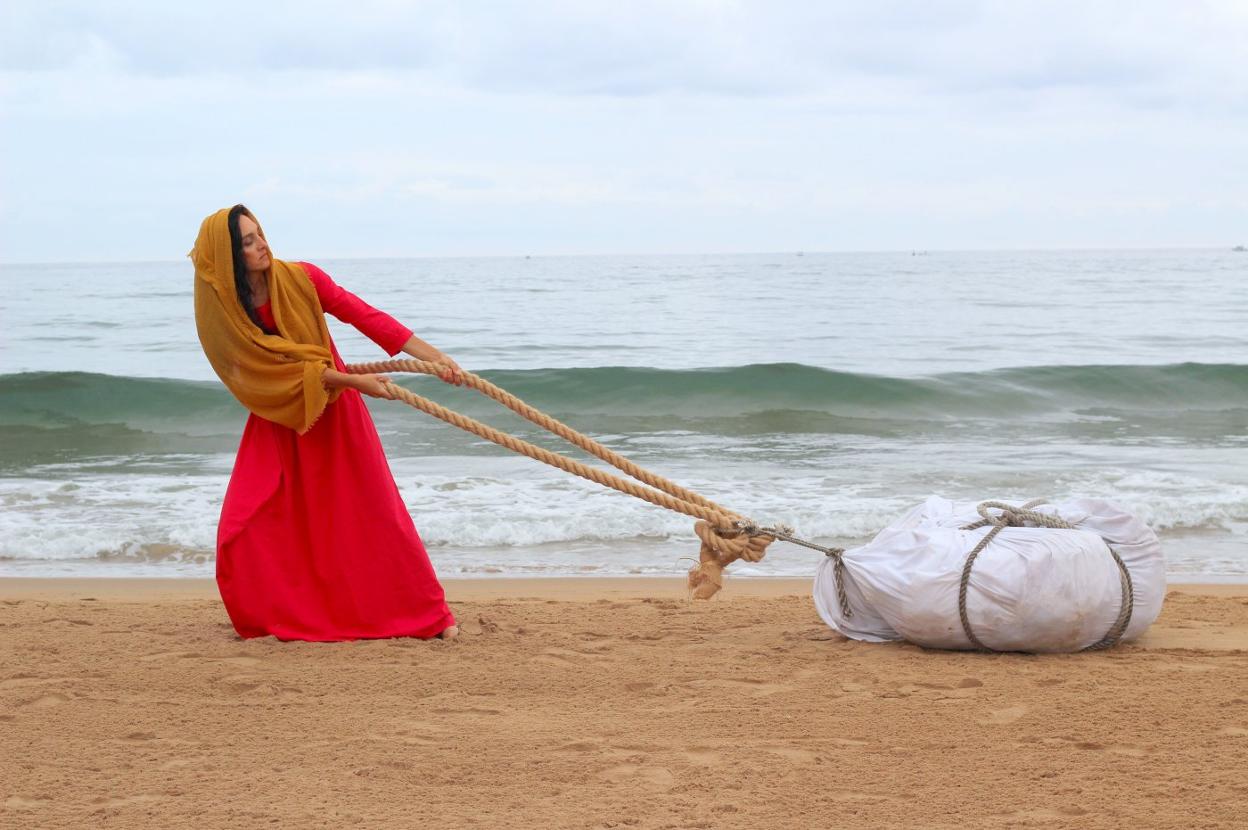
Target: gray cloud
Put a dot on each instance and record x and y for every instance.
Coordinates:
(447, 127)
(581, 47)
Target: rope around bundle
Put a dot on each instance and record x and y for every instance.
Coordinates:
(1011, 516)
(726, 536)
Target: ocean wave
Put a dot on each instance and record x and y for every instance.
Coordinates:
(63, 417)
(50, 399)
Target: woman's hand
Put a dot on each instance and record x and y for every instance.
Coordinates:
(450, 372)
(419, 349)
(376, 386)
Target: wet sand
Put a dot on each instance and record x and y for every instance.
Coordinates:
(605, 703)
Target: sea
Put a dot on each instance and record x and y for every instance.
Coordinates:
(827, 391)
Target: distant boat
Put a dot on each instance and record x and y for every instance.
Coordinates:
(801, 253)
(1239, 248)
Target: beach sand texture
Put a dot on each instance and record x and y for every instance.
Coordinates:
(605, 703)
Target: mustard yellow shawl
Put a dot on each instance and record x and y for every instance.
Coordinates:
(276, 376)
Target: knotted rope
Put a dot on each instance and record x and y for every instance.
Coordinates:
(725, 535)
(1011, 516)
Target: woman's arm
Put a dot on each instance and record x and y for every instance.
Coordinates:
(421, 350)
(378, 326)
(377, 386)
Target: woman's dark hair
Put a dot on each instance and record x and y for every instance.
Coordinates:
(240, 264)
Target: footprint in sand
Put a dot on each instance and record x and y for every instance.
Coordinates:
(964, 683)
(170, 655)
(1047, 814)
(125, 801)
(152, 739)
(847, 742)
(860, 795)
(46, 701)
(951, 691)
(641, 773)
(471, 710)
(580, 746)
(633, 754)
(20, 680)
(999, 717)
(790, 753)
(410, 733)
(759, 688)
(1129, 750)
(562, 658)
(254, 686)
(703, 757)
(238, 660)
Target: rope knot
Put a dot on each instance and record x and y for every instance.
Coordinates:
(1009, 515)
(721, 546)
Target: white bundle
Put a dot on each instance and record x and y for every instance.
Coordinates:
(1034, 589)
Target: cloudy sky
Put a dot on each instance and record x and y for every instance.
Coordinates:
(373, 128)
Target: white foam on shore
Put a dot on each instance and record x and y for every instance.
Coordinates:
(508, 516)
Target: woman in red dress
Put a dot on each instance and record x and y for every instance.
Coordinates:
(314, 541)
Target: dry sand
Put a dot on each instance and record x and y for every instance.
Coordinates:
(605, 703)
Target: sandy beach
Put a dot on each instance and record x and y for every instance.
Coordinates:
(605, 703)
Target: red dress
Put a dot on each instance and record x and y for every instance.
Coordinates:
(314, 541)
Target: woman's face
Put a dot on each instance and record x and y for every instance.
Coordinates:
(255, 249)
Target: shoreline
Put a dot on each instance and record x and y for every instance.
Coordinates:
(478, 589)
(470, 589)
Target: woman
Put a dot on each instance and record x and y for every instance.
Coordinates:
(314, 541)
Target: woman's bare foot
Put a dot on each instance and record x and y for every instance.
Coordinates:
(449, 633)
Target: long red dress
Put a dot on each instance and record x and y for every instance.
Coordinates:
(315, 542)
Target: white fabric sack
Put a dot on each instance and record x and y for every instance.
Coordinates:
(1031, 589)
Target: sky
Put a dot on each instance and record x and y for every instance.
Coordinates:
(375, 129)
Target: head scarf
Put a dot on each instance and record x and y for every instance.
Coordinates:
(276, 376)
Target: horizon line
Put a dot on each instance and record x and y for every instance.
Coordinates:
(788, 252)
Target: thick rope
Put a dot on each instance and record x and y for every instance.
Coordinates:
(1011, 516)
(547, 423)
(726, 536)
